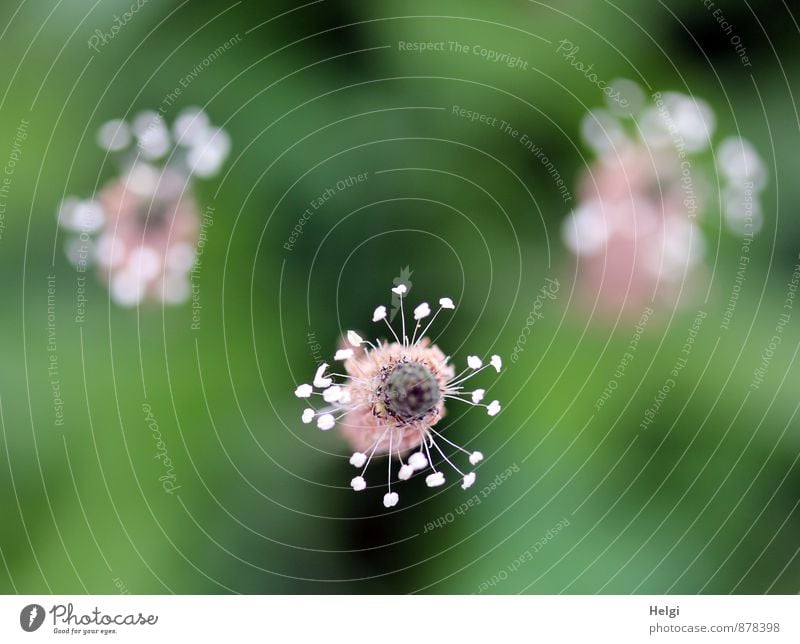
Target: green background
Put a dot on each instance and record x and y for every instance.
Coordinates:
(704, 500)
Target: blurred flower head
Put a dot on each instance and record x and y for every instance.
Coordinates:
(637, 227)
(141, 229)
(391, 396)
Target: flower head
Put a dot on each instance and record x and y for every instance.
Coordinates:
(637, 229)
(142, 228)
(392, 394)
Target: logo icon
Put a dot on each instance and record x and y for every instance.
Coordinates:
(405, 279)
(31, 617)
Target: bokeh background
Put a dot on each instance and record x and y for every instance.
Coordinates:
(705, 499)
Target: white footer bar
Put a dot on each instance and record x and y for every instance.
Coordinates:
(401, 619)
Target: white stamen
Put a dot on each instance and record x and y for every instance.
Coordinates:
(469, 372)
(400, 290)
(152, 135)
(474, 362)
(191, 127)
(427, 450)
(448, 441)
(418, 461)
(333, 394)
(388, 500)
(369, 459)
(428, 326)
(358, 459)
(145, 263)
(422, 311)
(339, 398)
(206, 156)
(114, 135)
(303, 391)
(354, 339)
(180, 258)
(319, 380)
(392, 330)
(444, 456)
(434, 480)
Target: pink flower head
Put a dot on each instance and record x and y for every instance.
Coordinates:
(636, 230)
(391, 396)
(142, 229)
